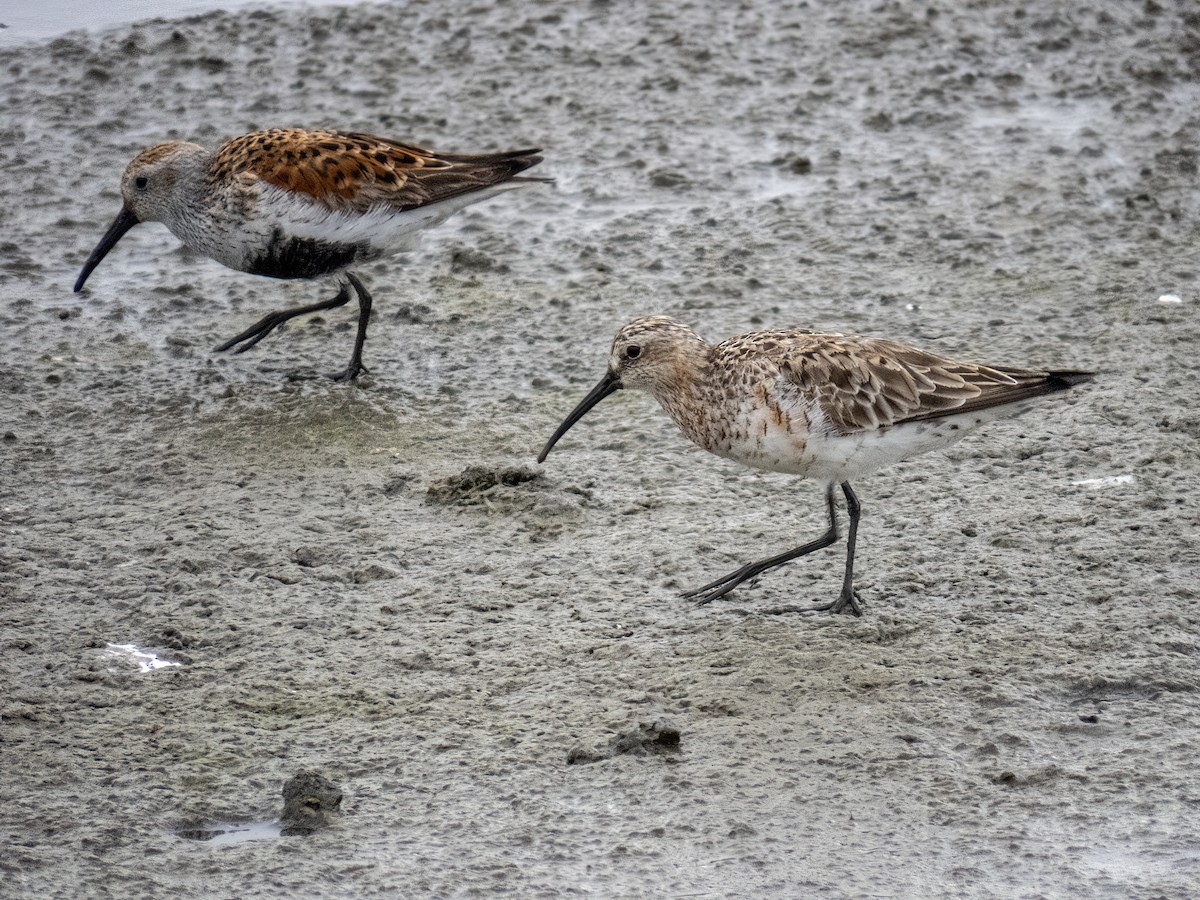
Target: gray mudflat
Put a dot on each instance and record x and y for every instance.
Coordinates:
(1016, 714)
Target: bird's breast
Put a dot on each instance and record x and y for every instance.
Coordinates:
(751, 430)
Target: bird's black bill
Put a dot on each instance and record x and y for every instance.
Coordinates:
(608, 384)
(123, 222)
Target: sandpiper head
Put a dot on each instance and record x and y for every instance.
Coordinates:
(651, 353)
(148, 191)
(648, 354)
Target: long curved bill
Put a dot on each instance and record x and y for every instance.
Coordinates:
(609, 384)
(121, 224)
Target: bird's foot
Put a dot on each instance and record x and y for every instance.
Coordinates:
(703, 596)
(300, 377)
(845, 599)
(715, 590)
(255, 332)
(351, 372)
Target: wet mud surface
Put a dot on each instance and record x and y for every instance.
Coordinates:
(377, 583)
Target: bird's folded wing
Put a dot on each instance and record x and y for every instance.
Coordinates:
(862, 384)
(354, 172)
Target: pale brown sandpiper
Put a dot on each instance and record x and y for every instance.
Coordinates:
(291, 203)
(827, 406)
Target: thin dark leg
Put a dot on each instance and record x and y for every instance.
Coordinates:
(723, 586)
(271, 321)
(848, 596)
(356, 366)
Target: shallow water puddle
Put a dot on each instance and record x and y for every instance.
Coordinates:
(221, 833)
(145, 660)
(1104, 481)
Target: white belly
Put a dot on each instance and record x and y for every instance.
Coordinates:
(826, 455)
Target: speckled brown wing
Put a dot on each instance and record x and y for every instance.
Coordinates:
(863, 384)
(351, 171)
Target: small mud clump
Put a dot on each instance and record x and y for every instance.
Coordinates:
(310, 801)
(469, 486)
(656, 738)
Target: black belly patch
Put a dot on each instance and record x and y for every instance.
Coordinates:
(293, 257)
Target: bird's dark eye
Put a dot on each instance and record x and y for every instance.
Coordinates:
(141, 181)
(633, 351)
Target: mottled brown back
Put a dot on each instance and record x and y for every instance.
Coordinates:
(353, 171)
(864, 383)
